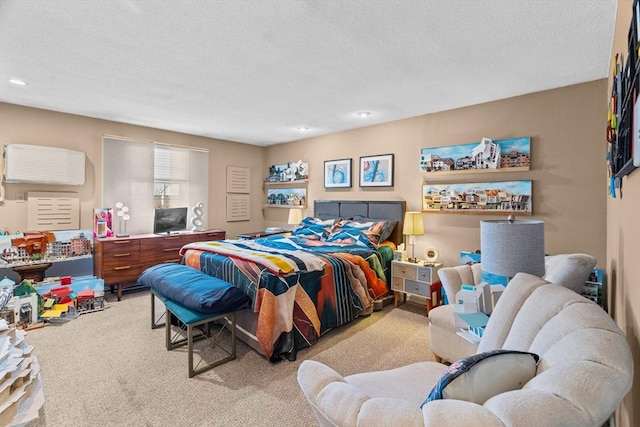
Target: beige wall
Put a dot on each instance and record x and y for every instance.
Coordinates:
(567, 155)
(623, 251)
(23, 125)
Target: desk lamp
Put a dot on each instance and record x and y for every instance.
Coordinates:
(295, 216)
(413, 226)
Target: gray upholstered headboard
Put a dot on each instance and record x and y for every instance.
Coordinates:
(375, 209)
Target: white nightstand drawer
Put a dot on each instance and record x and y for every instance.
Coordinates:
(428, 274)
(397, 283)
(417, 288)
(406, 271)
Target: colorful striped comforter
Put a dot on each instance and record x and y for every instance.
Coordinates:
(300, 288)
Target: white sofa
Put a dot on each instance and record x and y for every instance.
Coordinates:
(584, 372)
(568, 270)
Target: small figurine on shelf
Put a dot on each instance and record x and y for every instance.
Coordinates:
(123, 214)
(196, 221)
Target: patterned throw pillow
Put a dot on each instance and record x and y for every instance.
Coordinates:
(314, 228)
(357, 233)
(481, 376)
(386, 228)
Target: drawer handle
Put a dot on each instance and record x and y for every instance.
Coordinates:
(121, 255)
(122, 242)
(424, 274)
(173, 260)
(403, 270)
(415, 288)
(126, 267)
(171, 250)
(171, 238)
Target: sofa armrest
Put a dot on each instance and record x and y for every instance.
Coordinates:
(451, 412)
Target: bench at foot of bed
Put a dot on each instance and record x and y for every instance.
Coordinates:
(200, 304)
(197, 326)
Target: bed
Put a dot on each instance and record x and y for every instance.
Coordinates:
(305, 285)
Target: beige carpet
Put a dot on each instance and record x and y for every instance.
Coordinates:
(110, 368)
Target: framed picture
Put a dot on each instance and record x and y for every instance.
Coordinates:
(478, 198)
(376, 171)
(506, 155)
(337, 173)
(286, 197)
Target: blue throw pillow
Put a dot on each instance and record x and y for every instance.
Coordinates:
(481, 376)
(194, 289)
(314, 228)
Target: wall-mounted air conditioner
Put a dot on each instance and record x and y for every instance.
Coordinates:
(34, 164)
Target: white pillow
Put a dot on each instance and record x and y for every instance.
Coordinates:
(481, 376)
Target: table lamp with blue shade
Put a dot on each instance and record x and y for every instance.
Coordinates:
(512, 246)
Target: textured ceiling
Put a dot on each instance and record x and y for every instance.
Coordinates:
(256, 71)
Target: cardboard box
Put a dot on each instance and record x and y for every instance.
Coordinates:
(496, 292)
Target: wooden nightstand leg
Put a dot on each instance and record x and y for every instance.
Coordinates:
(395, 299)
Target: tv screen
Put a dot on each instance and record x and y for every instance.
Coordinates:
(169, 220)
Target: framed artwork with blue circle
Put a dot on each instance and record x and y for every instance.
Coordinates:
(337, 173)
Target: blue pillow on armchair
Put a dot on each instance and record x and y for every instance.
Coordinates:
(481, 376)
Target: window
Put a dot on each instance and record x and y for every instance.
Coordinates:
(148, 175)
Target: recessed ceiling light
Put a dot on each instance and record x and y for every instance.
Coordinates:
(363, 114)
(303, 128)
(18, 82)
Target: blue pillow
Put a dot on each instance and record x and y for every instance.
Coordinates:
(314, 228)
(481, 376)
(194, 289)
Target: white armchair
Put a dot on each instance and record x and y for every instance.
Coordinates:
(584, 372)
(568, 270)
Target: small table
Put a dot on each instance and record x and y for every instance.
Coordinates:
(263, 233)
(33, 272)
(416, 279)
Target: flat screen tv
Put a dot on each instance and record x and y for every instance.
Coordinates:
(169, 220)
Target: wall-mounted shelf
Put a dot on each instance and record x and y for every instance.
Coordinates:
(476, 212)
(475, 171)
(286, 183)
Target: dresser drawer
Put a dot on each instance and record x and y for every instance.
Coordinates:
(417, 288)
(120, 259)
(405, 271)
(205, 236)
(121, 274)
(120, 246)
(212, 235)
(151, 259)
(161, 243)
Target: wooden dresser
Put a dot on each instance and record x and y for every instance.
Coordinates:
(120, 260)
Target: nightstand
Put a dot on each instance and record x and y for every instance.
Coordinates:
(408, 278)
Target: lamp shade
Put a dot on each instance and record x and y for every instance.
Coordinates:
(510, 247)
(295, 216)
(413, 224)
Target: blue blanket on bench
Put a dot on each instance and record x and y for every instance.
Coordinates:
(194, 289)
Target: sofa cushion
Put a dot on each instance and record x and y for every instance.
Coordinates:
(481, 376)
(569, 270)
(194, 289)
